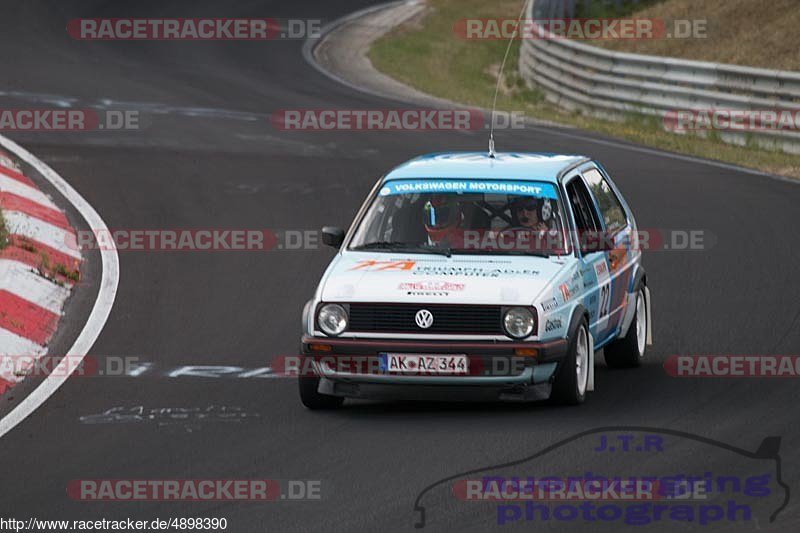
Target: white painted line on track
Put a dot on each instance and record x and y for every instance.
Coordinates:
(102, 306)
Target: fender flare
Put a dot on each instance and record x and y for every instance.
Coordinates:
(307, 316)
(638, 281)
(580, 312)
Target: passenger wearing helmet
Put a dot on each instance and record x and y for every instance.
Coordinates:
(531, 213)
(443, 218)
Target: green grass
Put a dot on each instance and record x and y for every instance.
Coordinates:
(45, 268)
(71, 275)
(430, 57)
(436, 61)
(609, 9)
(729, 33)
(50, 272)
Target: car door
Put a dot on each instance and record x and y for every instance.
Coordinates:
(593, 262)
(617, 230)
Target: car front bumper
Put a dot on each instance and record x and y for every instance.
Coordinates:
(496, 371)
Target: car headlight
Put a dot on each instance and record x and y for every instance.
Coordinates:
(518, 322)
(332, 319)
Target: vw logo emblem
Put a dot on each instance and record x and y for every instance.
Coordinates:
(424, 318)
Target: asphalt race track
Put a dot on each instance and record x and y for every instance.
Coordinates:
(208, 157)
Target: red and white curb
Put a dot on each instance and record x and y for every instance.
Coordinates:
(37, 271)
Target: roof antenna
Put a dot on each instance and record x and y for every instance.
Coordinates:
(500, 77)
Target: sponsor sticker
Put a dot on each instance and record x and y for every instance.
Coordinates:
(553, 324)
(549, 305)
(458, 186)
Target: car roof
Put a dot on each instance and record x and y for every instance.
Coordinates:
(505, 166)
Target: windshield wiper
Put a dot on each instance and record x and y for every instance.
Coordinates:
(534, 253)
(403, 247)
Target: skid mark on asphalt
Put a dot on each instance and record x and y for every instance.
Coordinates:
(188, 418)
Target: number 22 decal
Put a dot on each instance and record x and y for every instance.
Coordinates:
(604, 296)
(605, 301)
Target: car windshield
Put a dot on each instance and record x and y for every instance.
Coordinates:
(455, 216)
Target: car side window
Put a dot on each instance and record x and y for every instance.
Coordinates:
(585, 214)
(610, 207)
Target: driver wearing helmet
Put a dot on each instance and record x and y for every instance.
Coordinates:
(531, 213)
(443, 218)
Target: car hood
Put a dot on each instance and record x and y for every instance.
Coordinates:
(375, 277)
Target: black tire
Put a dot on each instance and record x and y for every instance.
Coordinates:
(566, 388)
(313, 399)
(625, 352)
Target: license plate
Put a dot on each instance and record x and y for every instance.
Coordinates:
(404, 363)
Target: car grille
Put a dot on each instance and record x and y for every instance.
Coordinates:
(399, 318)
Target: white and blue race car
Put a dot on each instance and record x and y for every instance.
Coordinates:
(478, 276)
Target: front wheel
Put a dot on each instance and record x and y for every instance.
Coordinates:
(573, 375)
(628, 352)
(313, 399)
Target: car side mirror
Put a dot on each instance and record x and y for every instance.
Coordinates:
(333, 236)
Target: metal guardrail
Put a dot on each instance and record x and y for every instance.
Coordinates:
(612, 84)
